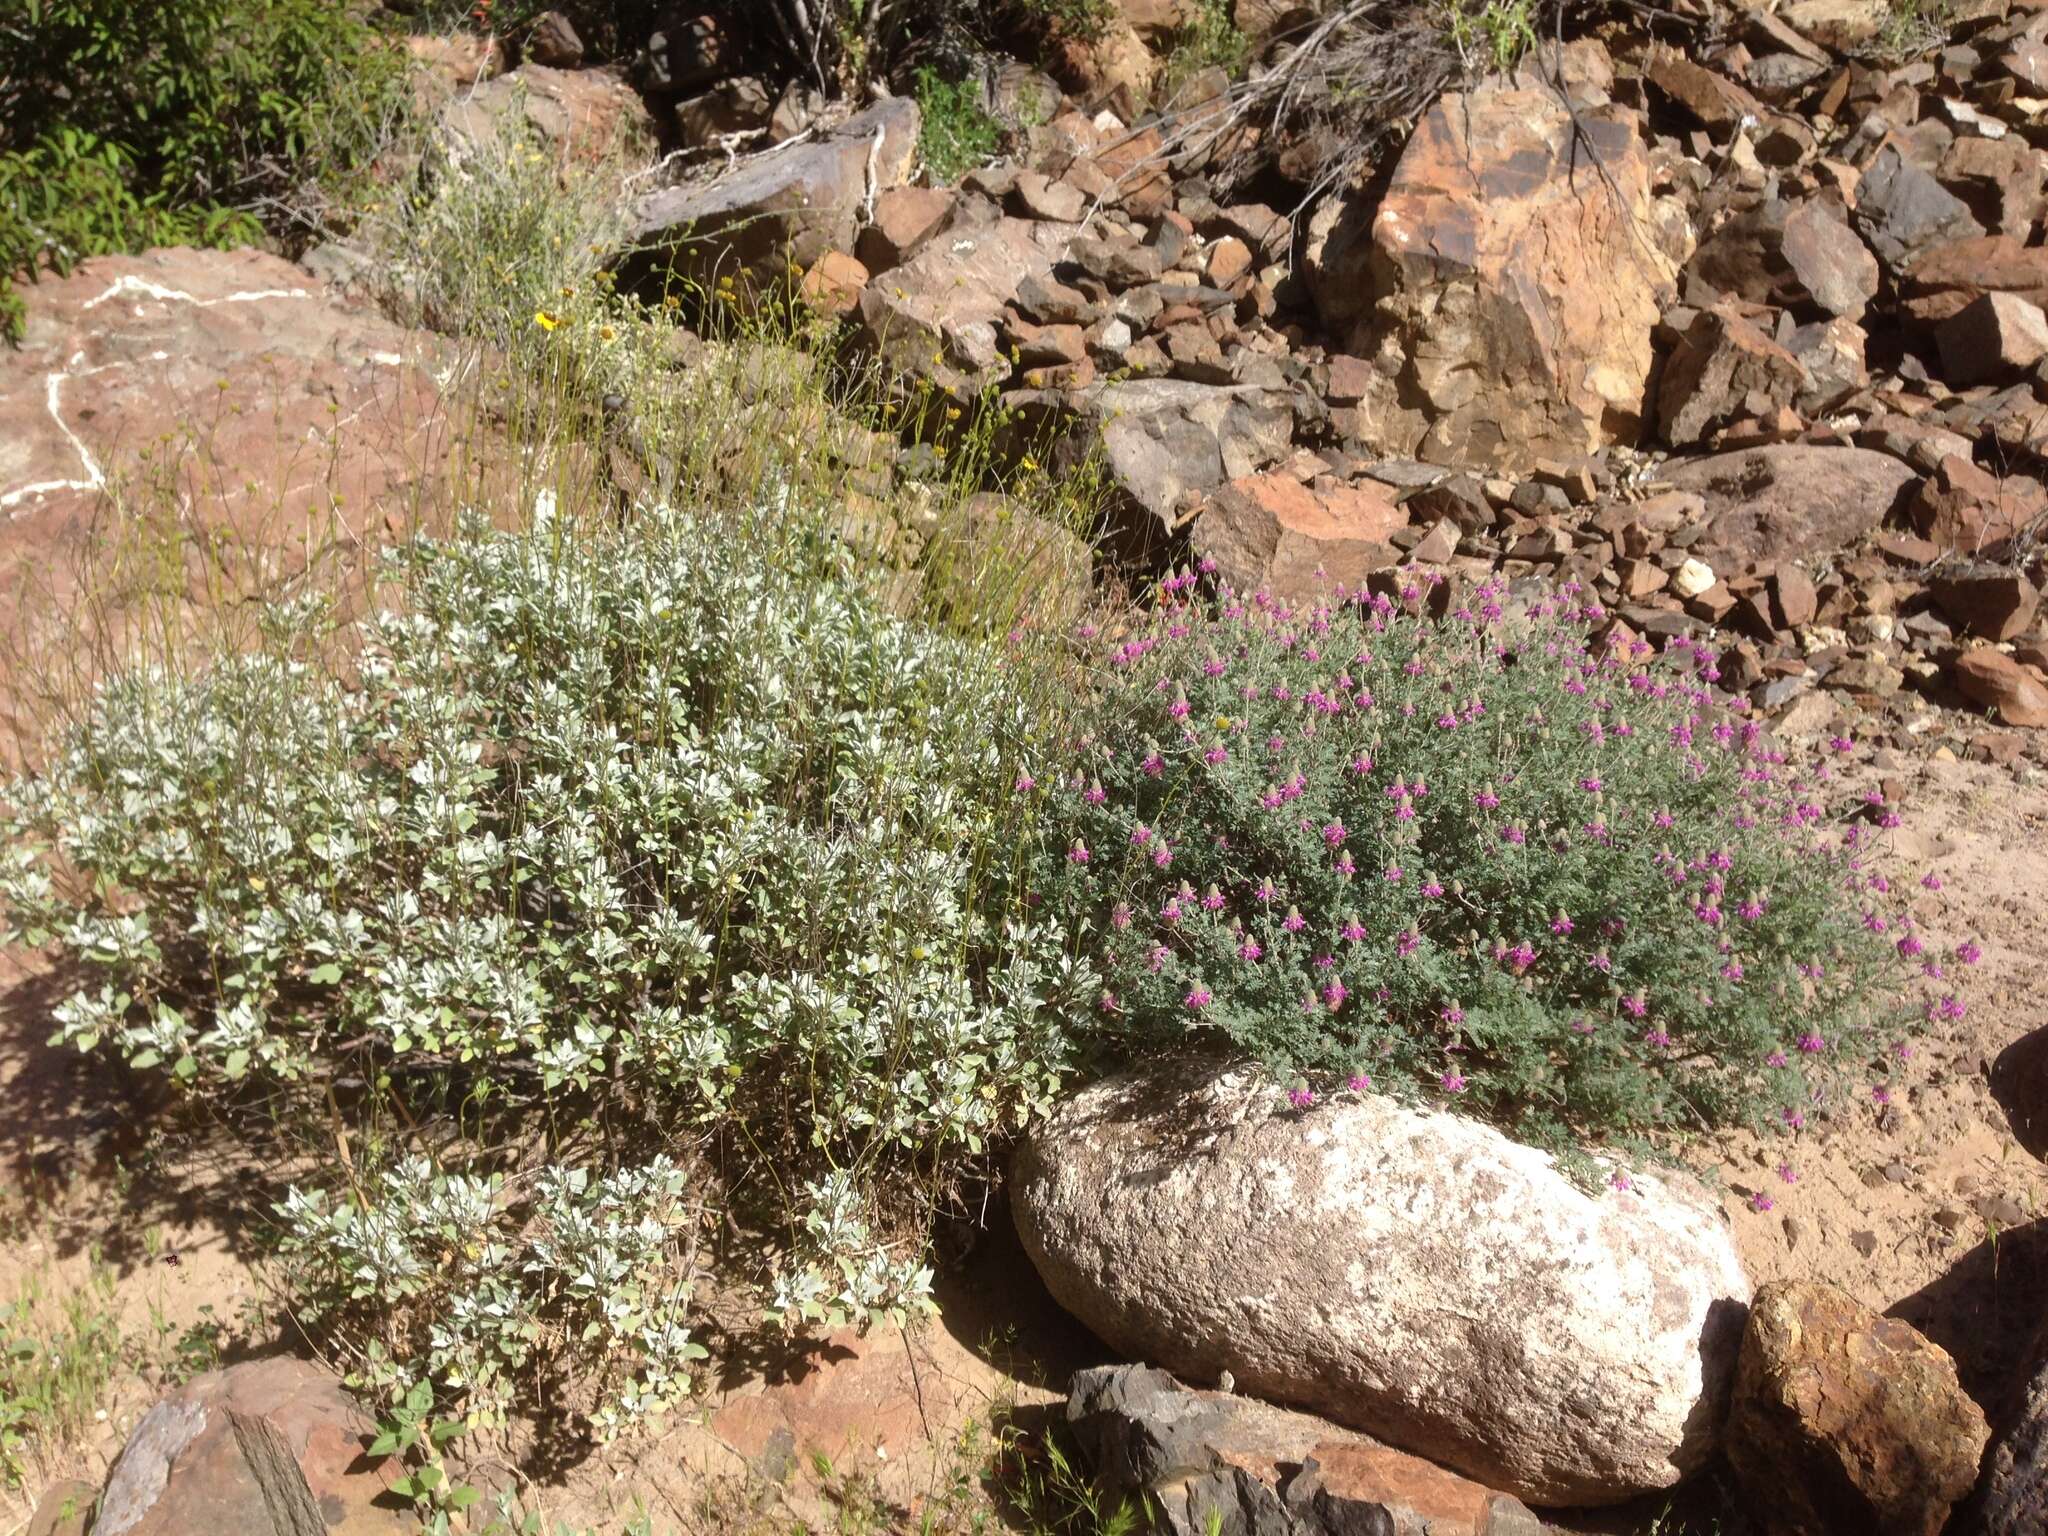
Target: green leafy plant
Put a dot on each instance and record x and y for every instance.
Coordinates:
(1484, 861)
(58, 1358)
(410, 1431)
(957, 132)
(200, 122)
(1210, 41)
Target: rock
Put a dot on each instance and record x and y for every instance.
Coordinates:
(1988, 600)
(1831, 352)
(1785, 253)
(553, 41)
(269, 1448)
(1505, 287)
(739, 105)
(268, 415)
(1577, 1346)
(1903, 211)
(1723, 370)
(2000, 180)
(2012, 1500)
(1272, 533)
(450, 61)
(580, 117)
(1193, 1452)
(1794, 601)
(939, 315)
(789, 205)
(1038, 196)
(65, 1509)
(905, 217)
(1993, 338)
(1712, 99)
(1949, 277)
(1166, 442)
(1968, 510)
(1693, 578)
(1996, 681)
(1789, 497)
(1847, 1422)
(833, 285)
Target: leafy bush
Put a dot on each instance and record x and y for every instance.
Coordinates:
(1490, 35)
(1210, 40)
(1484, 861)
(130, 125)
(617, 842)
(957, 132)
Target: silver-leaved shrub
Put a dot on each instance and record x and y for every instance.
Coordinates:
(611, 846)
(1486, 861)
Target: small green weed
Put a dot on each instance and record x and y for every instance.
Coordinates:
(58, 1356)
(1211, 40)
(1492, 37)
(958, 132)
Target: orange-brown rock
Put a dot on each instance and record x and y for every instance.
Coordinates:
(1845, 1422)
(1965, 508)
(1270, 531)
(1505, 287)
(1996, 681)
(268, 1448)
(1723, 371)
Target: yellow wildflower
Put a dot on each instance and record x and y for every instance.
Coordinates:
(544, 320)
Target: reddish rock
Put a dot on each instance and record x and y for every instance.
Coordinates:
(269, 1448)
(1968, 510)
(2000, 180)
(1996, 681)
(1723, 370)
(1995, 337)
(1844, 1421)
(1711, 98)
(1764, 502)
(1794, 602)
(1229, 259)
(2013, 1498)
(1506, 285)
(905, 217)
(855, 1395)
(938, 315)
(580, 117)
(1038, 196)
(1991, 601)
(1948, 277)
(1270, 531)
(834, 283)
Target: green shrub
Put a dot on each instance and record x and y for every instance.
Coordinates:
(1489, 35)
(1480, 861)
(136, 124)
(1211, 40)
(957, 132)
(610, 843)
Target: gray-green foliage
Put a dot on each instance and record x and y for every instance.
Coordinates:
(625, 840)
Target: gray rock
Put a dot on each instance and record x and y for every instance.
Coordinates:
(1789, 497)
(1902, 210)
(1408, 1272)
(796, 201)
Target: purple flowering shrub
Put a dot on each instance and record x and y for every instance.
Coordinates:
(1486, 859)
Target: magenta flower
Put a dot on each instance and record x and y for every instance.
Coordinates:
(1353, 930)
(1761, 1202)
(1620, 1182)
(1198, 998)
(1811, 1043)
(1025, 784)
(1301, 1098)
(1334, 834)
(1788, 1173)
(1078, 854)
(1968, 952)
(1293, 922)
(1359, 1082)
(1452, 1081)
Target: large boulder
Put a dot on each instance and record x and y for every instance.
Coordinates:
(1789, 498)
(1845, 1422)
(267, 1448)
(225, 392)
(1405, 1271)
(791, 203)
(1506, 285)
